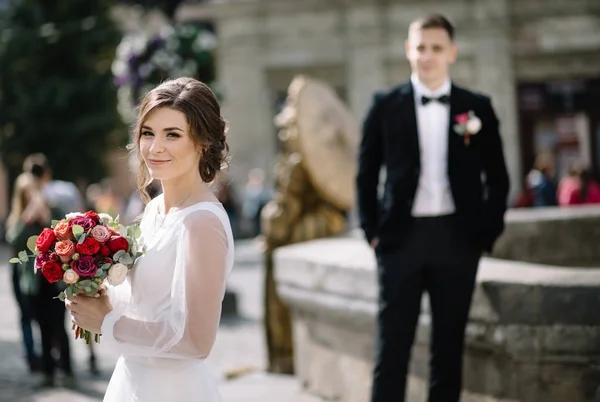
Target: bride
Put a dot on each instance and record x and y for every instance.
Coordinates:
(164, 319)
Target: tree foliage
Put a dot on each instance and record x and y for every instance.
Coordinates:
(56, 89)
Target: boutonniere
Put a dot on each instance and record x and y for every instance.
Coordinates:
(467, 124)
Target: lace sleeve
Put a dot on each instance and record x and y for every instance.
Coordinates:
(187, 329)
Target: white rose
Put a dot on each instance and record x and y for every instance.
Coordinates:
(473, 125)
(105, 218)
(117, 274)
(73, 215)
(70, 277)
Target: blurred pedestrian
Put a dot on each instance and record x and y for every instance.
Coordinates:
(31, 213)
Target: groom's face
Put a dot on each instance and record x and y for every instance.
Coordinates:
(430, 52)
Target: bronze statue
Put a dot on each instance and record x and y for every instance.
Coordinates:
(314, 190)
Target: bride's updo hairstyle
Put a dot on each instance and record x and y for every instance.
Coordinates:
(203, 113)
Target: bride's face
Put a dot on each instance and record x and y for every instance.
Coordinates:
(167, 146)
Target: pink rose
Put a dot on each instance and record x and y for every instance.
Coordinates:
(101, 233)
(41, 259)
(462, 118)
(65, 249)
(62, 230)
(70, 277)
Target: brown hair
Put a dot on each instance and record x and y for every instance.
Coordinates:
(544, 161)
(24, 183)
(433, 21)
(203, 113)
(37, 164)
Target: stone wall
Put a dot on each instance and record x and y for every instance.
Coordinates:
(532, 335)
(558, 236)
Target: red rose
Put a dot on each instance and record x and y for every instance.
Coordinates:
(52, 271)
(93, 216)
(105, 251)
(54, 257)
(90, 246)
(117, 243)
(45, 240)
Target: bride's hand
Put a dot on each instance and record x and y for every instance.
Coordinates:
(89, 312)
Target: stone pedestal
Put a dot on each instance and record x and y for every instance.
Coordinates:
(532, 334)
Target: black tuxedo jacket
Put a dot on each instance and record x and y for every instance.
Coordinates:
(477, 172)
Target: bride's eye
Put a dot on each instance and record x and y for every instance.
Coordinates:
(173, 135)
(146, 133)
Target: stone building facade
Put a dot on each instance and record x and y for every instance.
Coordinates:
(538, 59)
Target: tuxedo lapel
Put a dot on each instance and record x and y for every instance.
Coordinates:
(408, 117)
(455, 141)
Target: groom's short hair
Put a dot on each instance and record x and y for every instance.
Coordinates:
(433, 21)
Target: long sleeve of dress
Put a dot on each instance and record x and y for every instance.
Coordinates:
(187, 327)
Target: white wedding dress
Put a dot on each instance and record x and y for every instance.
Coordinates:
(166, 315)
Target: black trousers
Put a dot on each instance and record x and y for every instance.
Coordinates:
(438, 257)
(50, 315)
(27, 315)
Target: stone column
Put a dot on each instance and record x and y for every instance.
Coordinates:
(246, 103)
(364, 57)
(495, 75)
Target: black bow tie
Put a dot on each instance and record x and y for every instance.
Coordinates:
(445, 99)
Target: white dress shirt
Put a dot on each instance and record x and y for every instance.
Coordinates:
(433, 197)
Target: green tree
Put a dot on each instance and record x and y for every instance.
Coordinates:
(56, 89)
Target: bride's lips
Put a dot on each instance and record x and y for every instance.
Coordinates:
(157, 162)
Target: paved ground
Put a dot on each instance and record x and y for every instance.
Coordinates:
(239, 347)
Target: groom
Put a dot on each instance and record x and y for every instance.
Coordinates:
(443, 204)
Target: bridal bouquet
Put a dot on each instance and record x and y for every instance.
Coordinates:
(83, 250)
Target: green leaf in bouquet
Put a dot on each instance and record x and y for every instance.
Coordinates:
(88, 290)
(126, 259)
(95, 286)
(137, 232)
(118, 255)
(77, 230)
(84, 283)
(54, 222)
(70, 291)
(31, 243)
(99, 273)
(81, 238)
(122, 230)
(14, 261)
(104, 267)
(23, 256)
(62, 296)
